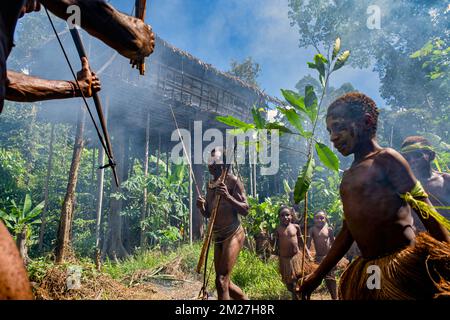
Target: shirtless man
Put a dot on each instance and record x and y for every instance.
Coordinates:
(377, 192)
(131, 37)
(228, 233)
(322, 235)
(419, 153)
(288, 240)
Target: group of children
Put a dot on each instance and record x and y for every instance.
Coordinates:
(289, 242)
(385, 196)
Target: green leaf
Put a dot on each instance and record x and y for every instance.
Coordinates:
(304, 180)
(294, 99)
(293, 118)
(278, 126)
(306, 134)
(258, 119)
(311, 102)
(320, 62)
(311, 65)
(336, 48)
(322, 81)
(36, 211)
(287, 188)
(341, 60)
(26, 205)
(234, 122)
(327, 157)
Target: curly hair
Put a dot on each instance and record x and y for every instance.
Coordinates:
(354, 106)
(415, 139)
(291, 211)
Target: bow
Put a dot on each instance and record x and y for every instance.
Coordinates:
(140, 7)
(104, 138)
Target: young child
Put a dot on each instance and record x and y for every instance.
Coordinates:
(378, 192)
(289, 246)
(419, 153)
(322, 236)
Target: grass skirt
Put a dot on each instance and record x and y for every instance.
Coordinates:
(291, 268)
(418, 272)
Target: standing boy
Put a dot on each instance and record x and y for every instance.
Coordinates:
(377, 193)
(289, 239)
(322, 235)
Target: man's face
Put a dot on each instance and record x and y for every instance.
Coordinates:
(344, 133)
(215, 163)
(419, 160)
(285, 217)
(320, 219)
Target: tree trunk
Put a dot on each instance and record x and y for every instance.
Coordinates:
(63, 247)
(159, 154)
(197, 218)
(47, 181)
(21, 242)
(113, 244)
(143, 239)
(125, 219)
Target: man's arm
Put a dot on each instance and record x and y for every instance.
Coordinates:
(238, 200)
(331, 235)
(402, 178)
(203, 206)
(340, 247)
(23, 88)
(309, 238)
(14, 282)
(276, 244)
(130, 36)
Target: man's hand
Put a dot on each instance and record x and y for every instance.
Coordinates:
(310, 283)
(87, 79)
(30, 6)
(201, 203)
(222, 191)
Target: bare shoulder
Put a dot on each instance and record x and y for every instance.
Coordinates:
(390, 156)
(446, 177)
(396, 169)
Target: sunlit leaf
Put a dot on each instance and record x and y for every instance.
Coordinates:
(327, 157)
(293, 118)
(304, 180)
(294, 99)
(287, 188)
(278, 126)
(341, 60)
(26, 205)
(234, 122)
(320, 62)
